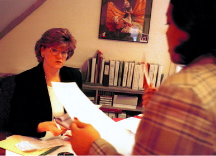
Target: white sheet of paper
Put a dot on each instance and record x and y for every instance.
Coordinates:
(130, 123)
(78, 105)
(9, 153)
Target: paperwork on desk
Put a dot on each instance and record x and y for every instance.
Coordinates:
(40, 146)
(78, 105)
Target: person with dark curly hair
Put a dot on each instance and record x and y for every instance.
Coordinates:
(34, 103)
(179, 118)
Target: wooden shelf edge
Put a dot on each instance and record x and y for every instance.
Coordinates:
(138, 109)
(91, 86)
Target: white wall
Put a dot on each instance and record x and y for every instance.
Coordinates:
(81, 17)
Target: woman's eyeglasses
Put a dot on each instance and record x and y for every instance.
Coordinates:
(56, 52)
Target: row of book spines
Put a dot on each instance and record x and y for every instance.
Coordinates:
(155, 74)
(95, 70)
(118, 73)
(124, 73)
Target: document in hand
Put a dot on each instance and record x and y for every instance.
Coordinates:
(78, 105)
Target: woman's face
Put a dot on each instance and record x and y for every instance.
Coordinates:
(175, 37)
(55, 57)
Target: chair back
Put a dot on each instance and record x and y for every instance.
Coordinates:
(6, 92)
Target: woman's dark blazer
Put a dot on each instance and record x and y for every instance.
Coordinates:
(30, 103)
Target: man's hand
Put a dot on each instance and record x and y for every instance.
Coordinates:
(83, 135)
(148, 93)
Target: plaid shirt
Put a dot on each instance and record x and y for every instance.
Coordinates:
(181, 116)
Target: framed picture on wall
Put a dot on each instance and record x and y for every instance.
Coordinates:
(125, 20)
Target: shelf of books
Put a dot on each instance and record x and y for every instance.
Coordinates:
(127, 74)
(118, 84)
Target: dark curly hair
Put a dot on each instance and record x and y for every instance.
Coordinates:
(55, 37)
(197, 18)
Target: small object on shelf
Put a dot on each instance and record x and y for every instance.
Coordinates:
(93, 68)
(122, 115)
(111, 72)
(112, 115)
(105, 98)
(125, 101)
(111, 110)
(125, 73)
(105, 80)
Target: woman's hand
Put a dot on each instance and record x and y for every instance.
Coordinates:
(83, 135)
(148, 93)
(50, 126)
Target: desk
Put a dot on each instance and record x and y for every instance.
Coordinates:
(130, 124)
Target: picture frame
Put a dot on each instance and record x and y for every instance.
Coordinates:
(125, 20)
